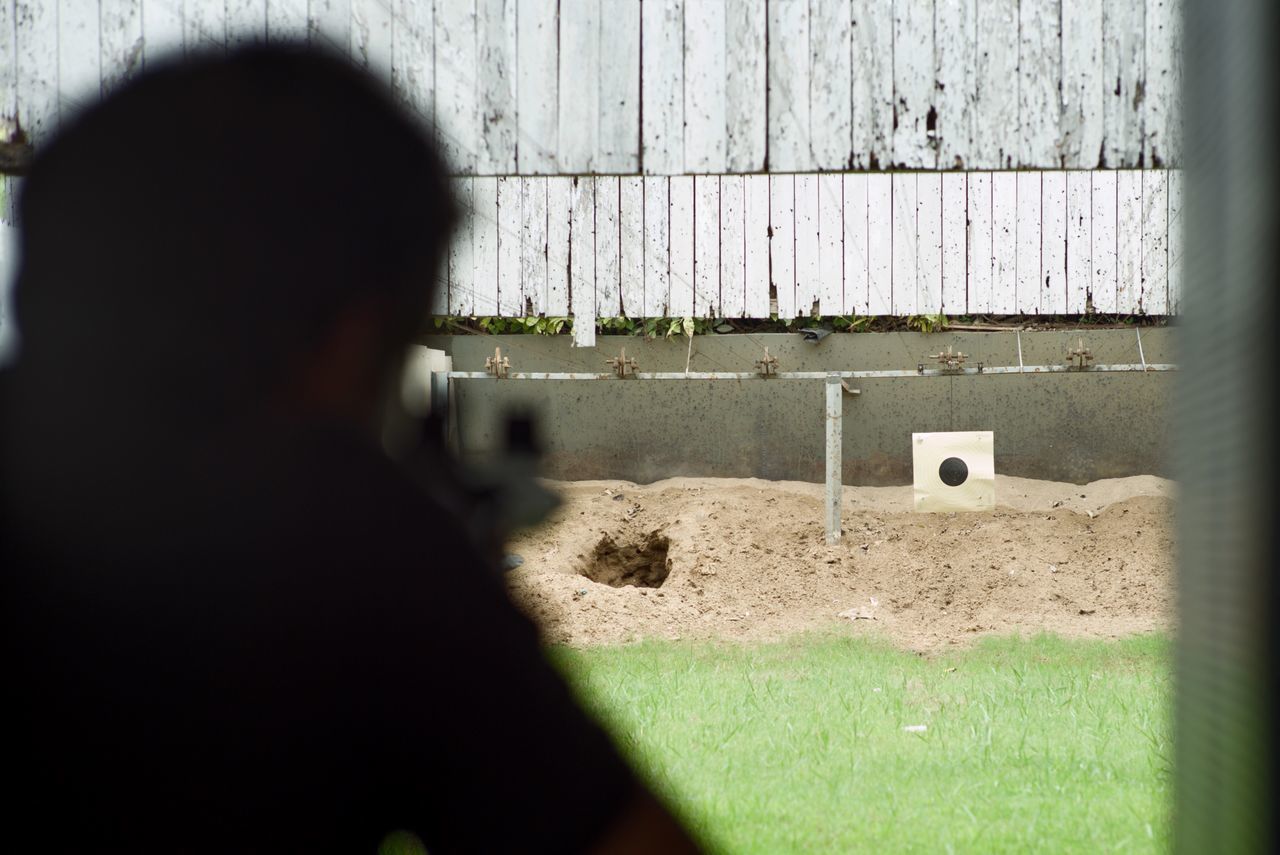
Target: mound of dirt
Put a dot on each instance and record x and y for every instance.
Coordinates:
(746, 559)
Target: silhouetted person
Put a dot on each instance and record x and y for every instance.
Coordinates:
(229, 622)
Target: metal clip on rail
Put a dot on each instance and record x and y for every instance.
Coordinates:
(622, 366)
(767, 366)
(497, 366)
(949, 360)
(1079, 357)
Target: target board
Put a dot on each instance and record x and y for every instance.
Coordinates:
(954, 471)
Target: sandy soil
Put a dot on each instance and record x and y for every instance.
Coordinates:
(745, 559)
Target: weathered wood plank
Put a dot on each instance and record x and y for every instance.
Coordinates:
(619, 123)
(413, 57)
(286, 21)
(808, 274)
(1174, 128)
(510, 251)
(789, 78)
(37, 78)
(1123, 38)
(1160, 79)
(1128, 241)
(872, 83)
(745, 85)
(830, 80)
(955, 40)
(880, 244)
(979, 239)
(1083, 86)
(831, 244)
(1103, 281)
(8, 85)
(582, 260)
(856, 243)
(1079, 240)
(371, 37)
(456, 95)
(680, 297)
(706, 246)
(204, 26)
(1039, 82)
(782, 243)
(1053, 243)
(559, 205)
(329, 22)
(955, 200)
(913, 88)
(497, 72)
(995, 108)
(579, 86)
(246, 23)
(705, 87)
(1027, 236)
(1154, 299)
(121, 41)
(1175, 242)
(608, 248)
(461, 257)
(161, 30)
(533, 245)
(657, 252)
(757, 245)
(733, 273)
(662, 87)
(439, 302)
(1004, 247)
(632, 244)
(929, 243)
(484, 242)
(537, 78)
(79, 57)
(905, 243)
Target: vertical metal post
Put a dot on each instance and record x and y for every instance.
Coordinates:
(834, 419)
(439, 402)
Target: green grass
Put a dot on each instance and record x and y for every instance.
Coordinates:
(1041, 745)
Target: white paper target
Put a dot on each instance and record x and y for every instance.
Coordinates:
(954, 471)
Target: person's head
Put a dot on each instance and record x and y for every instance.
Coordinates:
(231, 234)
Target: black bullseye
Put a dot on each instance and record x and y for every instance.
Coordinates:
(953, 472)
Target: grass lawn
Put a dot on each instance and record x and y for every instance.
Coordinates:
(1042, 745)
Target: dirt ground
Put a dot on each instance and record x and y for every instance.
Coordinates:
(745, 559)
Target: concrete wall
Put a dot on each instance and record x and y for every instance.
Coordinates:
(1066, 427)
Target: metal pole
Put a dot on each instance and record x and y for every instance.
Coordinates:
(440, 393)
(834, 419)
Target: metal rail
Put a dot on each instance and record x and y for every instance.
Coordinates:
(816, 375)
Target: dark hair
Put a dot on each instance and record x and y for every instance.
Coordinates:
(186, 235)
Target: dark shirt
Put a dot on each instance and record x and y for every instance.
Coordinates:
(271, 644)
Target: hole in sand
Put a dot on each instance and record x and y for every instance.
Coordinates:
(639, 561)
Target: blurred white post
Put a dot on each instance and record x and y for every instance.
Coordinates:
(8, 269)
(834, 418)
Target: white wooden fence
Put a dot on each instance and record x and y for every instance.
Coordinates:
(732, 157)
(903, 243)
(669, 87)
